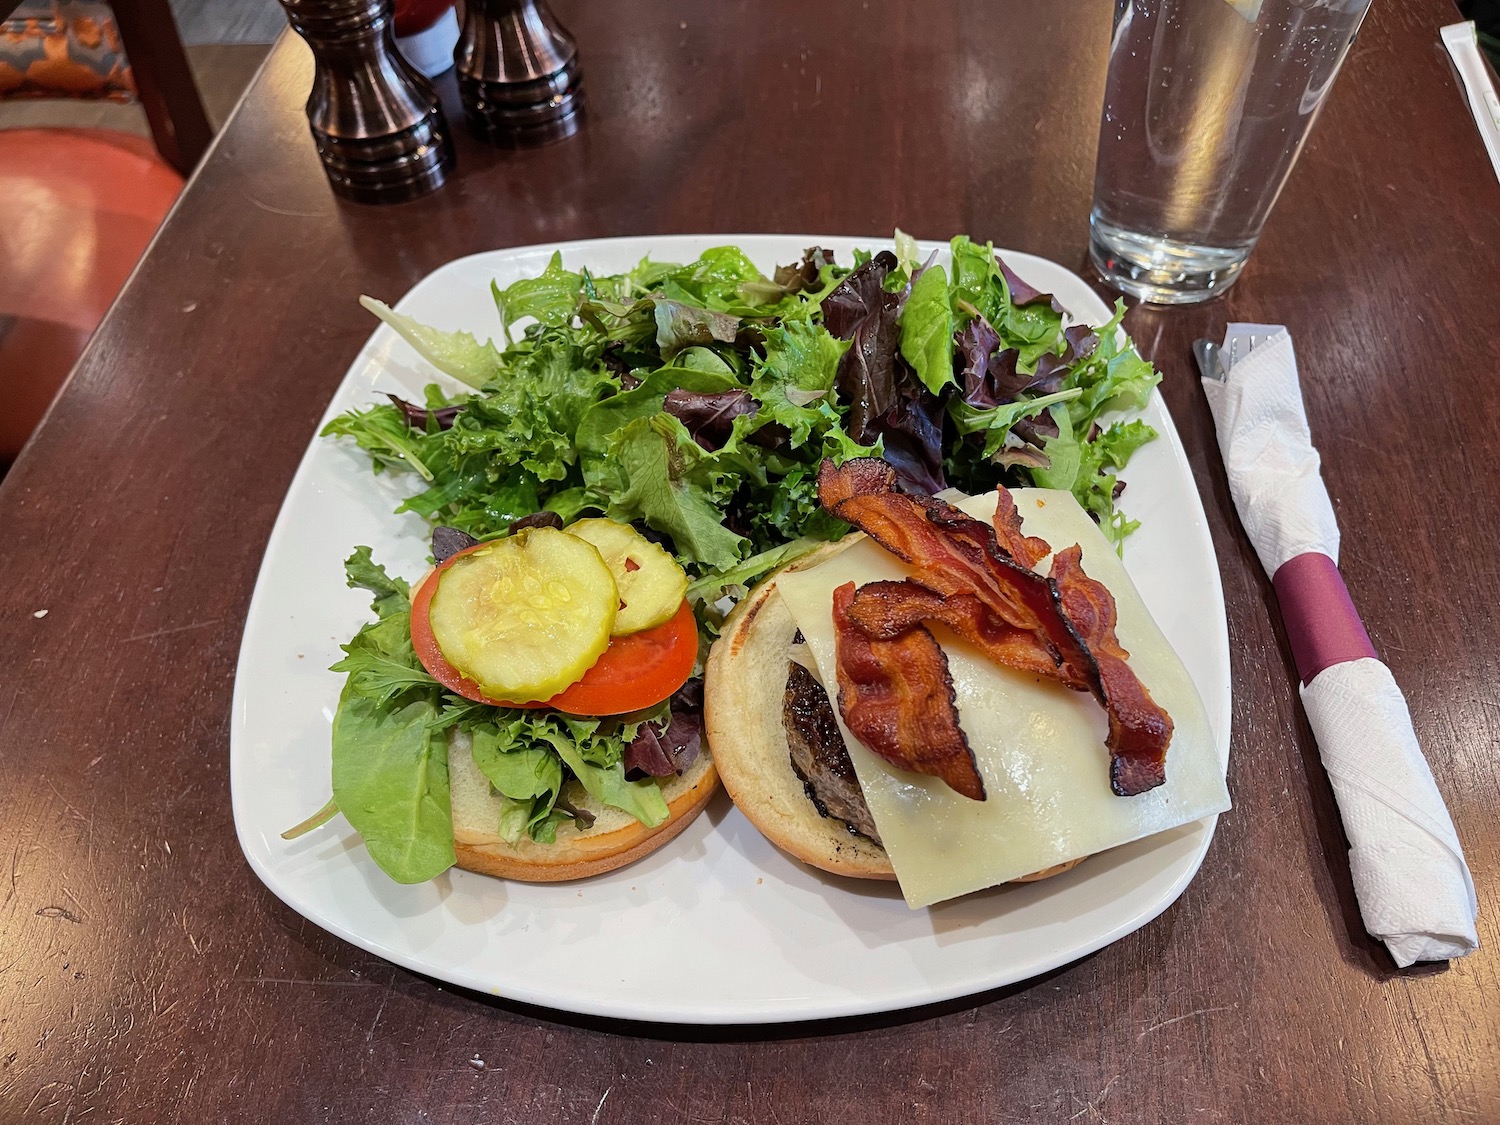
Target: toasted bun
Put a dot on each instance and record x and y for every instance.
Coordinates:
(743, 691)
(615, 839)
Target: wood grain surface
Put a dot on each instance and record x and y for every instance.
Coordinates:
(145, 973)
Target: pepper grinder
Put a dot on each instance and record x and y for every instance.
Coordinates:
(376, 122)
(518, 73)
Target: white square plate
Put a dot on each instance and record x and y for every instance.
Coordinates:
(718, 926)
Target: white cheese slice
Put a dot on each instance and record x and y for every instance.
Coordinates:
(1040, 747)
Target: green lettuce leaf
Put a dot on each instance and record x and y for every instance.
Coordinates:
(607, 784)
(457, 354)
(551, 297)
(927, 330)
(653, 471)
(609, 415)
(530, 415)
(382, 432)
(974, 280)
(528, 776)
(793, 381)
(390, 779)
(680, 325)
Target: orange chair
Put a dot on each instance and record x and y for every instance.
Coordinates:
(77, 208)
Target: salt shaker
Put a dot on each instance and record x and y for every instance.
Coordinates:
(518, 73)
(377, 123)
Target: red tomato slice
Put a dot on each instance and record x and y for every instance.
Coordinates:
(635, 672)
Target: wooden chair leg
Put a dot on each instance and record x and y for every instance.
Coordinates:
(179, 124)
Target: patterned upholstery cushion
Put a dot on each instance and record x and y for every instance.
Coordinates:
(63, 48)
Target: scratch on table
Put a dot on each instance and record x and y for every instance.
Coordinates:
(67, 804)
(312, 981)
(1092, 1107)
(43, 1089)
(15, 869)
(598, 1108)
(750, 1104)
(283, 210)
(389, 987)
(678, 1112)
(173, 629)
(1185, 1016)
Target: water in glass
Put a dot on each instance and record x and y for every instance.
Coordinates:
(1207, 105)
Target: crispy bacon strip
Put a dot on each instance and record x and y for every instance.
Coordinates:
(896, 697)
(1070, 616)
(1027, 550)
(1139, 730)
(884, 611)
(953, 553)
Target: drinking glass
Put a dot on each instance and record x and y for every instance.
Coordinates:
(1207, 105)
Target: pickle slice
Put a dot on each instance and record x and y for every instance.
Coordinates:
(650, 582)
(527, 615)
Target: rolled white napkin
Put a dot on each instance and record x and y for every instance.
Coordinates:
(1414, 888)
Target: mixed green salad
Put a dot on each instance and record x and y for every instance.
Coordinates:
(695, 402)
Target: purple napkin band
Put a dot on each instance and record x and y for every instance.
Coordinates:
(1321, 622)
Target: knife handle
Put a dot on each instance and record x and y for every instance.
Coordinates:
(1321, 622)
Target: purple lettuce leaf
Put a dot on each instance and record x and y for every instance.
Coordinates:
(418, 417)
(887, 402)
(804, 275)
(448, 541)
(662, 752)
(990, 376)
(913, 434)
(709, 418)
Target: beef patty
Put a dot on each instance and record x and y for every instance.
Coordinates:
(819, 755)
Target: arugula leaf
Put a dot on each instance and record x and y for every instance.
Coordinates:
(380, 660)
(1112, 376)
(361, 571)
(457, 354)
(737, 580)
(385, 435)
(996, 422)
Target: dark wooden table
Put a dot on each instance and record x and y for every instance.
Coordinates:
(145, 974)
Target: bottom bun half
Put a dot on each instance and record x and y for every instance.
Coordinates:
(744, 689)
(615, 839)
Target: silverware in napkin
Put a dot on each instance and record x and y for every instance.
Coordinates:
(1414, 889)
